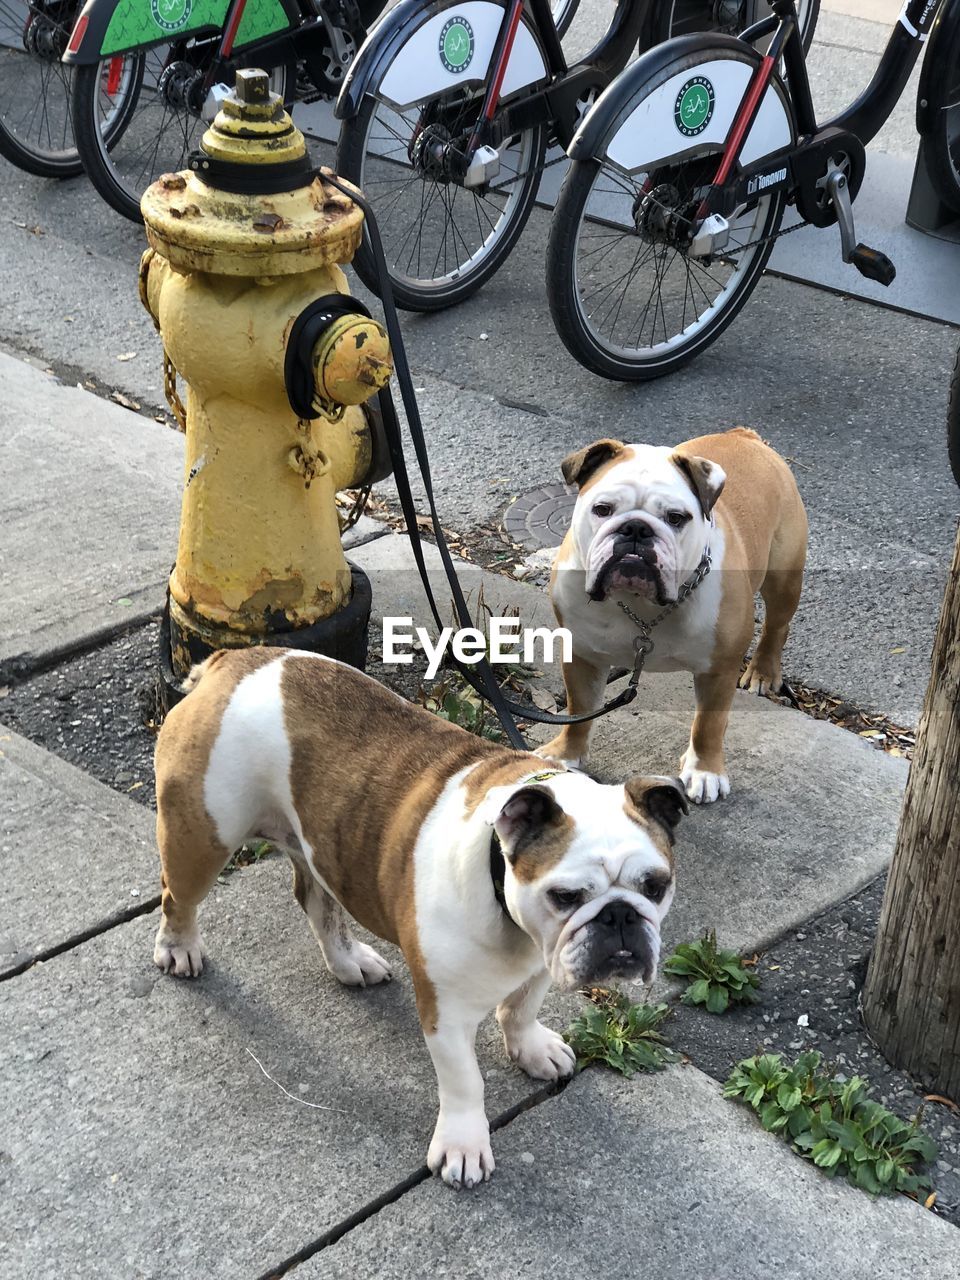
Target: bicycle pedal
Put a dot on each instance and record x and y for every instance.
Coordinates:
(873, 264)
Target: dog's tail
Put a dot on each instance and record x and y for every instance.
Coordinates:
(196, 673)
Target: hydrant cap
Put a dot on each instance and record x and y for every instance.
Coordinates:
(253, 147)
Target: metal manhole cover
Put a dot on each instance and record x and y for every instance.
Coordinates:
(540, 517)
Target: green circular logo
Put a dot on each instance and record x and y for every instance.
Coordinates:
(693, 109)
(456, 45)
(170, 15)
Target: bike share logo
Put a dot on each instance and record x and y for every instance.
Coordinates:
(170, 15)
(693, 109)
(456, 45)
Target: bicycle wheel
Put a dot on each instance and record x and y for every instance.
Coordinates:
(441, 240)
(680, 17)
(628, 298)
(564, 12)
(36, 132)
(943, 140)
(155, 92)
(953, 422)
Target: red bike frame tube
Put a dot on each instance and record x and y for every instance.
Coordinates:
(500, 70)
(230, 34)
(741, 124)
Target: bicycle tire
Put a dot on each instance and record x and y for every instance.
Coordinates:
(98, 150)
(943, 139)
(953, 421)
(433, 294)
(60, 161)
(564, 12)
(678, 17)
(568, 309)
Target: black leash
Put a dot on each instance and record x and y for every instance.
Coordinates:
(480, 675)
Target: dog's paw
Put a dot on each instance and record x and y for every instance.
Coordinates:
(761, 680)
(358, 965)
(460, 1150)
(181, 955)
(703, 787)
(541, 1053)
(556, 751)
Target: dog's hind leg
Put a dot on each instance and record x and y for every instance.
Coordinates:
(350, 961)
(191, 858)
(780, 590)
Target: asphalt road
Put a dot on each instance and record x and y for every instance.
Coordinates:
(853, 394)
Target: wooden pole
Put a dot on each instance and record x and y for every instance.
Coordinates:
(911, 1000)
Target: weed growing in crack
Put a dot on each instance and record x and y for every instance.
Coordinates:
(622, 1035)
(834, 1122)
(717, 978)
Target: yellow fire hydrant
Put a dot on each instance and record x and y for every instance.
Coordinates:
(242, 282)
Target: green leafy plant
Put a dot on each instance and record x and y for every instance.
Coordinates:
(620, 1034)
(717, 978)
(834, 1122)
(454, 700)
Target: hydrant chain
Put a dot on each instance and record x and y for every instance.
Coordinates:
(172, 394)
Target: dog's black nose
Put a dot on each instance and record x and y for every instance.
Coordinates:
(618, 915)
(639, 530)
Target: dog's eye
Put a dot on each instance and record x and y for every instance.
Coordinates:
(676, 518)
(603, 509)
(565, 899)
(655, 887)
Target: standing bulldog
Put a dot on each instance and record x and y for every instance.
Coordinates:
(492, 872)
(681, 538)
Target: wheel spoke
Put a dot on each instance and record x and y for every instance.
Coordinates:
(437, 234)
(638, 293)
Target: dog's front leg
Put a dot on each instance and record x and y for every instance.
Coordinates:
(542, 1053)
(585, 684)
(460, 1149)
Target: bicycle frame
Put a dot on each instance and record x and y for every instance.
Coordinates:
(549, 98)
(863, 118)
(105, 28)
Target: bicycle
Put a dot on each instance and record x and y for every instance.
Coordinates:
(447, 113)
(150, 75)
(36, 132)
(681, 174)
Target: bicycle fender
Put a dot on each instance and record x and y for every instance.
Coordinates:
(631, 127)
(405, 60)
(944, 32)
(107, 27)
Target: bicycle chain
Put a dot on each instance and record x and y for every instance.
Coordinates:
(774, 235)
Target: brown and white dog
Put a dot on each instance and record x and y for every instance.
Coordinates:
(390, 814)
(644, 520)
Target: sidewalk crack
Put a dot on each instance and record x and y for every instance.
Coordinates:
(118, 918)
(400, 1189)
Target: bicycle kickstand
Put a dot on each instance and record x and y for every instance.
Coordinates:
(869, 262)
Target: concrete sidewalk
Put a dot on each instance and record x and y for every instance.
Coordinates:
(150, 1127)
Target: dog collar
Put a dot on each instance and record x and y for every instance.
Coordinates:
(498, 869)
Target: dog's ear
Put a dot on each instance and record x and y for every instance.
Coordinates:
(662, 799)
(577, 468)
(704, 477)
(526, 814)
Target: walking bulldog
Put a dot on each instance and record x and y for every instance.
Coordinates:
(493, 872)
(672, 545)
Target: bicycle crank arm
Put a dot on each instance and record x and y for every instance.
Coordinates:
(871, 263)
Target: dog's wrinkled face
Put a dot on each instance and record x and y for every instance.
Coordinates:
(641, 516)
(589, 871)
